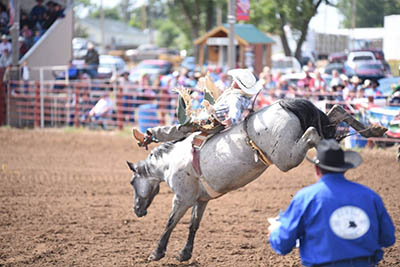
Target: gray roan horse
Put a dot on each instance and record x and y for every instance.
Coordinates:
(284, 131)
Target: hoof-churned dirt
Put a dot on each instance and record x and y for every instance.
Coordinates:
(65, 200)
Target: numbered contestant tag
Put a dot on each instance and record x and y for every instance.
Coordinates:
(349, 222)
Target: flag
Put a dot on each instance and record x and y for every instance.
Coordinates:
(242, 10)
(12, 12)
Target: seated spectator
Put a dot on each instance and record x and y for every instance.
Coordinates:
(4, 20)
(38, 14)
(277, 77)
(307, 79)
(73, 72)
(146, 93)
(353, 87)
(102, 110)
(318, 85)
(311, 66)
(223, 82)
(27, 34)
(24, 20)
(282, 87)
(23, 48)
(265, 98)
(128, 96)
(371, 89)
(36, 37)
(191, 80)
(5, 44)
(56, 12)
(335, 80)
(5, 59)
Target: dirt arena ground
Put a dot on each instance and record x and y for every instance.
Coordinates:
(65, 200)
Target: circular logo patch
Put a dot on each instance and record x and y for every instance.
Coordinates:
(349, 222)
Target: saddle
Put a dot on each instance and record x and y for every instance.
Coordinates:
(200, 138)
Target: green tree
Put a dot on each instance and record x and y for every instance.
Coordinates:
(274, 15)
(367, 13)
(193, 17)
(111, 13)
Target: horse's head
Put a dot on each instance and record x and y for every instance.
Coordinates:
(145, 189)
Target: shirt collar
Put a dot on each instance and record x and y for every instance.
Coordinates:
(330, 176)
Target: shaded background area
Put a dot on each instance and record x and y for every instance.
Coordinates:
(65, 199)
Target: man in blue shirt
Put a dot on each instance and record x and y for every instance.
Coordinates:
(228, 110)
(336, 222)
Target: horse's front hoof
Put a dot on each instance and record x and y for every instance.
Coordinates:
(184, 255)
(156, 256)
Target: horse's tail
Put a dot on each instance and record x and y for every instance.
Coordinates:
(310, 115)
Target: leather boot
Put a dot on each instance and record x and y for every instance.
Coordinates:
(142, 139)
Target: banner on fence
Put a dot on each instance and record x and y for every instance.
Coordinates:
(388, 117)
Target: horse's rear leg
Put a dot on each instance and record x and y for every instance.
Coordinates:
(338, 114)
(197, 214)
(179, 209)
(293, 154)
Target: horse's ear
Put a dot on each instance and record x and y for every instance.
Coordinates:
(131, 166)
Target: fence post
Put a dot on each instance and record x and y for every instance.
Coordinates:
(120, 116)
(76, 105)
(36, 110)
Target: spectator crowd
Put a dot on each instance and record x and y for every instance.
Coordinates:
(33, 25)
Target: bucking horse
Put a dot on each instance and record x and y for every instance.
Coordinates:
(279, 134)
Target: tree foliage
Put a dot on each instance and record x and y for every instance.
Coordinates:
(368, 13)
(110, 13)
(193, 17)
(274, 15)
(180, 22)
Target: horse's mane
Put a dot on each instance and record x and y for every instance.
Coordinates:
(144, 167)
(310, 115)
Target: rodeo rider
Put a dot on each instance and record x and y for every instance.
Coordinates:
(336, 222)
(228, 110)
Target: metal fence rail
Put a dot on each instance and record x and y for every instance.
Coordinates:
(69, 103)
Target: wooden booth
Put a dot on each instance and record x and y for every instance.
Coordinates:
(253, 47)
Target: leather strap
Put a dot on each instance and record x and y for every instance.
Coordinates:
(261, 155)
(211, 192)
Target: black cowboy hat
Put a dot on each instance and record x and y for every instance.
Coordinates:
(331, 157)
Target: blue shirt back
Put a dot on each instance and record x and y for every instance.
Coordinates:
(334, 219)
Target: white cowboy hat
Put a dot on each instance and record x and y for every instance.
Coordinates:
(245, 79)
(367, 83)
(355, 79)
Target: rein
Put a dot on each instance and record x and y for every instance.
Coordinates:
(341, 137)
(252, 105)
(261, 155)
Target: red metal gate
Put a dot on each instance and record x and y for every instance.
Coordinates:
(2, 99)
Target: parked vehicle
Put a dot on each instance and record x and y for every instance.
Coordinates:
(146, 51)
(285, 64)
(372, 69)
(379, 55)
(354, 57)
(337, 57)
(108, 65)
(342, 68)
(152, 67)
(171, 55)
